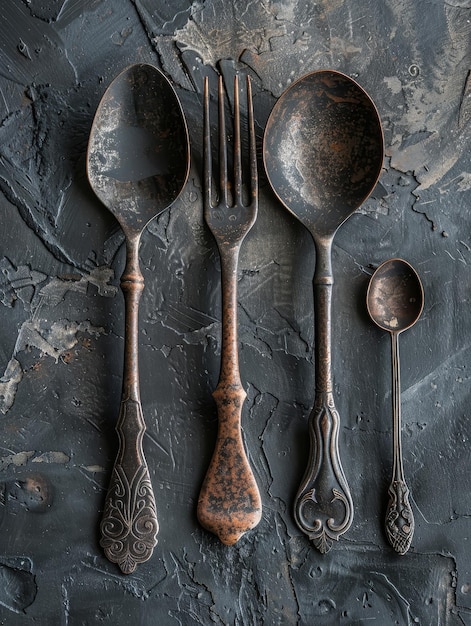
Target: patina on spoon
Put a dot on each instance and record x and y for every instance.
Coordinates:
(395, 300)
(323, 152)
(138, 163)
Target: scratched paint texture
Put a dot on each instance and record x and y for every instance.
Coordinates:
(61, 334)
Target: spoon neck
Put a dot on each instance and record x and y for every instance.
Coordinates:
(323, 281)
(323, 274)
(132, 285)
(398, 471)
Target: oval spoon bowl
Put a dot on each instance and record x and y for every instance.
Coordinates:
(395, 297)
(138, 155)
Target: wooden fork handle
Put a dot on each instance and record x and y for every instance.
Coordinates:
(229, 503)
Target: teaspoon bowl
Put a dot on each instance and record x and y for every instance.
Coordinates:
(395, 297)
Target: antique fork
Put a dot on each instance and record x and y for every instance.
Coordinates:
(229, 503)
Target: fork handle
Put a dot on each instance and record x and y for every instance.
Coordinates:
(229, 503)
(129, 525)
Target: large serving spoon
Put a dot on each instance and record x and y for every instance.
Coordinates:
(395, 300)
(138, 163)
(323, 153)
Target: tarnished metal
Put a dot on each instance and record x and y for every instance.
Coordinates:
(229, 503)
(395, 300)
(323, 154)
(138, 163)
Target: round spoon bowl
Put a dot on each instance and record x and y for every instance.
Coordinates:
(395, 296)
(323, 149)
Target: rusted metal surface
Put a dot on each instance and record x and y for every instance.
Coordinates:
(229, 503)
(323, 153)
(395, 300)
(138, 162)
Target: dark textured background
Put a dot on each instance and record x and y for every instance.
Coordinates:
(61, 331)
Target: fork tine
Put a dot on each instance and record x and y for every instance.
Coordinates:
(207, 161)
(252, 145)
(237, 149)
(223, 181)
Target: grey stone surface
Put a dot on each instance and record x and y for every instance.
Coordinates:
(61, 331)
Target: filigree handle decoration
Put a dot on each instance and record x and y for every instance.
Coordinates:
(324, 508)
(399, 522)
(129, 525)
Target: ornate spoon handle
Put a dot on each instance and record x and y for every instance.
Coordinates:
(229, 503)
(129, 525)
(399, 522)
(323, 506)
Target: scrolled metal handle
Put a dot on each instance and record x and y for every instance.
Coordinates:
(129, 525)
(323, 506)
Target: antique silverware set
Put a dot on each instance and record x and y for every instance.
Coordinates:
(323, 153)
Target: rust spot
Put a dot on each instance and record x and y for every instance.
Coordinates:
(87, 343)
(34, 493)
(67, 356)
